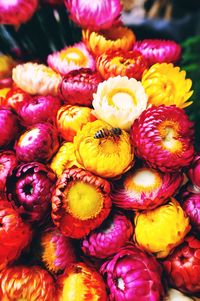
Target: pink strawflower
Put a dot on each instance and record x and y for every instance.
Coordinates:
(71, 58)
(159, 51)
(163, 137)
(95, 15)
(145, 188)
(133, 275)
(15, 12)
(106, 240)
(78, 86)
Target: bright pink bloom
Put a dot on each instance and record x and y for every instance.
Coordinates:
(71, 58)
(163, 137)
(145, 188)
(96, 14)
(133, 275)
(15, 12)
(106, 240)
(159, 51)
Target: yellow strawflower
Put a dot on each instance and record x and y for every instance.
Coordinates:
(160, 230)
(99, 150)
(167, 85)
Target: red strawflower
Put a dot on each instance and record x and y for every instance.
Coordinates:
(163, 137)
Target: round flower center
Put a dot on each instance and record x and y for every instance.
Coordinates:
(48, 254)
(118, 60)
(85, 201)
(143, 180)
(121, 284)
(75, 287)
(28, 189)
(75, 55)
(169, 134)
(121, 98)
(28, 137)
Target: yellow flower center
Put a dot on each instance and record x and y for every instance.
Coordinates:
(75, 55)
(121, 98)
(169, 87)
(75, 289)
(48, 255)
(85, 201)
(169, 134)
(120, 61)
(27, 138)
(143, 180)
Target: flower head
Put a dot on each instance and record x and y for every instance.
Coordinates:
(17, 12)
(162, 229)
(15, 97)
(71, 58)
(80, 202)
(42, 136)
(124, 63)
(119, 101)
(99, 150)
(38, 109)
(95, 15)
(145, 188)
(57, 251)
(183, 266)
(78, 86)
(166, 85)
(114, 38)
(29, 188)
(163, 137)
(64, 158)
(9, 126)
(36, 79)
(15, 235)
(70, 119)
(81, 283)
(106, 240)
(159, 51)
(6, 64)
(8, 162)
(27, 283)
(130, 275)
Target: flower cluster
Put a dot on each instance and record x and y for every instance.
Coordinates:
(99, 179)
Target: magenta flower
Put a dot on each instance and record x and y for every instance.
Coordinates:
(106, 240)
(194, 172)
(159, 51)
(39, 109)
(133, 275)
(9, 126)
(17, 12)
(37, 144)
(8, 162)
(145, 188)
(71, 58)
(78, 86)
(95, 15)
(57, 251)
(29, 188)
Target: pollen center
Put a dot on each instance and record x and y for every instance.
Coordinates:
(120, 284)
(48, 254)
(74, 288)
(122, 98)
(169, 135)
(85, 201)
(74, 55)
(143, 180)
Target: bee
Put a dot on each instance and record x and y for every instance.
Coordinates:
(104, 133)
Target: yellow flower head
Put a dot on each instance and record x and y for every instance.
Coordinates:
(6, 66)
(119, 101)
(114, 38)
(36, 79)
(160, 230)
(167, 85)
(103, 150)
(64, 158)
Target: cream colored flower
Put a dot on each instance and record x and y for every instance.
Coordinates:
(119, 101)
(36, 78)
